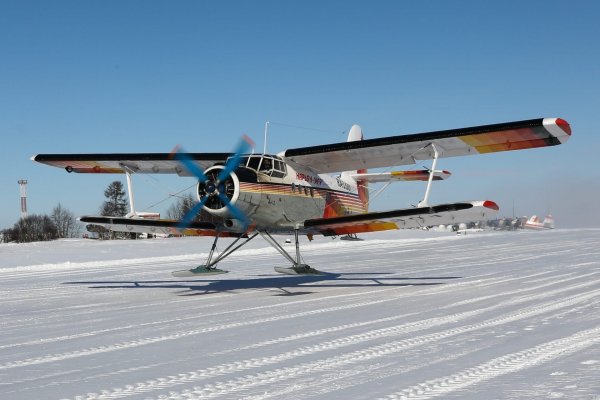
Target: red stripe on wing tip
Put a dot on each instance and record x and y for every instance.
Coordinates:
(491, 204)
(564, 125)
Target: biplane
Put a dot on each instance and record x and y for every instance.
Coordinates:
(316, 190)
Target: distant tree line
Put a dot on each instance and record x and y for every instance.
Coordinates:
(61, 223)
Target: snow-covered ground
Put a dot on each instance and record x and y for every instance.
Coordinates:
(407, 314)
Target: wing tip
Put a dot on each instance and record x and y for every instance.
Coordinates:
(491, 205)
(564, 125)
(558, 128)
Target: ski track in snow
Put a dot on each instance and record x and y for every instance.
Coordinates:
(339, 361)
(507, 364)
(410, 315)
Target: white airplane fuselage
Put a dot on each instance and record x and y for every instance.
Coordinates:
(278, 195)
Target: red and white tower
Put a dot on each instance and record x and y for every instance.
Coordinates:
(23, 184)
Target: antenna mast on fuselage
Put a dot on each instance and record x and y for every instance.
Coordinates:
(266, 131)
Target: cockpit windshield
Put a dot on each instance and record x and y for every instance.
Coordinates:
(265, 164)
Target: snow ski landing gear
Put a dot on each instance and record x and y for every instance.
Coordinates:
(209, 268)
(297, 267)
(198, 271)
(301, 269)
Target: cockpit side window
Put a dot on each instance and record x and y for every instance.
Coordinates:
(267, 165)
(279, 170)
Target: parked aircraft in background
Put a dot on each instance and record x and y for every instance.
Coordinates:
(536, 223)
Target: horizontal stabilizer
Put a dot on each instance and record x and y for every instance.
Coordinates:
(420, 175)
(417, 217)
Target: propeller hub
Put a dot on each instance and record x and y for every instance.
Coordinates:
(210, 187)
(216, 192)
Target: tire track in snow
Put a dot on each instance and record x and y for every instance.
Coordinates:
(247, 382)
(200, 316)
(204, 316)
(496, 254)
(315, 333)
(186, 333)
(204, 307)
(382, 374)
(239, 384)
(429, 291)
(507, 364)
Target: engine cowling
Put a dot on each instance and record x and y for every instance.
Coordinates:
(210, 190)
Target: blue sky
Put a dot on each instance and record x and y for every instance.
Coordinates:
(140, 76)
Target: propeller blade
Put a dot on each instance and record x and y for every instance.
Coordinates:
(235, 212)
(244, 146)
(188, 163)
(191, 214)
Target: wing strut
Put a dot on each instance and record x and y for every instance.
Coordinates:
(432, 171)
(132, 212)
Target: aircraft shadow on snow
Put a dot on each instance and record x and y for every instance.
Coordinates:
(284, 285)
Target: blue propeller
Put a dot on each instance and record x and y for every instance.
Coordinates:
(214, 186)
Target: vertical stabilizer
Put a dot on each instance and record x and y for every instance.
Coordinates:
(355, 134)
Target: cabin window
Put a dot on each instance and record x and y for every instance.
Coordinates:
(253, 162)
(272, 167)
(278, 169)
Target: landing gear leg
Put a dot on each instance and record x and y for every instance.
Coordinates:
(298, 268)
(210, 267)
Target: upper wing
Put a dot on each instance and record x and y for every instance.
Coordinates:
(406, 149)
(115, 163)
(417, 217)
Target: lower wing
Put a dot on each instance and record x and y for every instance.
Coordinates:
(417, 217)
(157, 226)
